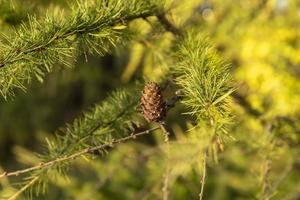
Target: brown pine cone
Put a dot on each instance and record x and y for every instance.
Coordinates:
(152, 103)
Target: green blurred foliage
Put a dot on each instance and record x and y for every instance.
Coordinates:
(261, 40)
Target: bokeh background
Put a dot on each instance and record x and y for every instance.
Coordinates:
(260, 38)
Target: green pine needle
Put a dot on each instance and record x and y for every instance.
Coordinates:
(204, 78)
(38, 46)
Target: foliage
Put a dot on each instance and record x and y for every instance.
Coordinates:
(228, 71)
(205, 82)
(37, 46)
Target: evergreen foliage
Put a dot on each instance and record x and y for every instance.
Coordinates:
(37, 46)
(227, 72)
(205, 82)
(112, 119)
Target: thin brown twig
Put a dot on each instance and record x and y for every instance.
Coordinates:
(165, 188)
(203, 178)
(165, 132)
(204, 165)
(43, 165)
(25, 187)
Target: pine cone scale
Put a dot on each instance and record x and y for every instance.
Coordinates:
(153, 105)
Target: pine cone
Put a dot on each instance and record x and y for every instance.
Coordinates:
(152, 103)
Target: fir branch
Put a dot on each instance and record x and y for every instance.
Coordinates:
(109, 123)
(110, 119)
(205, 80)
(38, 46)
(43, 167)
(75, 155)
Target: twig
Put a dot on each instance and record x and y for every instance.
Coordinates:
(25, 187)
(203, 178)
(165, 188)
(273, 187)
(167, 24)
(265, 179)
(77, 154)
(165, 132)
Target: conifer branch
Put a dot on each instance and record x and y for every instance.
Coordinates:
(111, 119)
(177, 32)
(109, 123)
(36, 47)
(43, 167)
(90, 134)
(75, 155)
(205, 80)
